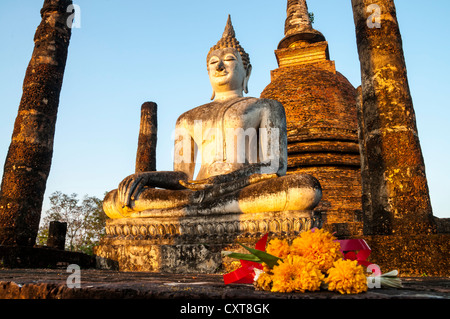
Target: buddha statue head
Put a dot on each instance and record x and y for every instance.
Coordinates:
(228, 66)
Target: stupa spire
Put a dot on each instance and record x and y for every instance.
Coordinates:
(298, 27)
(297, 17)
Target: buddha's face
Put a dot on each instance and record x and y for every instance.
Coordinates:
(226, 70)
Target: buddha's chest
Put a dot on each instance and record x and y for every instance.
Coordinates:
(226, 123)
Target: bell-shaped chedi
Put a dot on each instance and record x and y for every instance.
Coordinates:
(320, 106)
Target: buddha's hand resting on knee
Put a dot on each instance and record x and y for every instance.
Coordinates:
(130, 187)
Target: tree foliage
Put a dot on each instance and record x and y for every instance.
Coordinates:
(311, 17)
(85, 220)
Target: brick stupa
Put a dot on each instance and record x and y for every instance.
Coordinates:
(320, 106)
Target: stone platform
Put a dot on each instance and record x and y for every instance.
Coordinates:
(175, 244)
(109, 284)
(151, 292)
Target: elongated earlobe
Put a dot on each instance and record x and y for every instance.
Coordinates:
(245, 84)
(213, 95)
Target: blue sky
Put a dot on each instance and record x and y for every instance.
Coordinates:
(129, 52)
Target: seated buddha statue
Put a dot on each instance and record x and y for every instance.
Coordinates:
(243, 146)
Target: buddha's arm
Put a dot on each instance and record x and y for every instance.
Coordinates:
(185, 149)
(273, 123)
(187, 167)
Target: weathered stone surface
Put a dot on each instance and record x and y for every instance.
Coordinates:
(29, 157)
(102, 284)
(396, 197)
(412, 254)
(442, 225)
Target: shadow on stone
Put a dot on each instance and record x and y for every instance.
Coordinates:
(42, 257)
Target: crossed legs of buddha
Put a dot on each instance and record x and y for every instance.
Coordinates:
(286, 193)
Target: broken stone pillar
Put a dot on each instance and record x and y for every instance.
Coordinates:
(146, 151)
(57, 235)
(29, 157)
(394, 184)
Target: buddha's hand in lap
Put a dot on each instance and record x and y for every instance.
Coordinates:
(218, 180)
(255, 178)
(197, 185)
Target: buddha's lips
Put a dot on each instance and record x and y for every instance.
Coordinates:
(220, 74)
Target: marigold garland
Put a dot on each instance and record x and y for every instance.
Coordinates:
(278, 247)
(320, 247)
(346, 277)
(296, 273)
(313, 259)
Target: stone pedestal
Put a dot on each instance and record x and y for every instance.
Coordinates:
(192, 244)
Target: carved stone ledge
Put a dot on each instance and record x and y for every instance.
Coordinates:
(215, 228)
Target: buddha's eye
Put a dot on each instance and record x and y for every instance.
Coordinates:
(213, 61)
(230, 58)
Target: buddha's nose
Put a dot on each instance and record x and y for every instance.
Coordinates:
(220, 66)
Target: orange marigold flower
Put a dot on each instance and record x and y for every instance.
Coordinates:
(347, 277)
(277, 247)
(296, 273)
(318, 246)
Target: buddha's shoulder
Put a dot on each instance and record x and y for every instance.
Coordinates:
(208, 109)
(268, 105)
(198, 112)
(269, 102)
(260, 102)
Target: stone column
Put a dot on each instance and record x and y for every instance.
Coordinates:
(397, 199)
(29, 157)
(146, 152)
